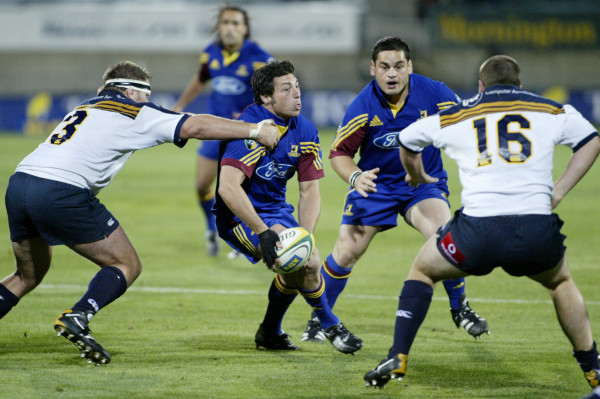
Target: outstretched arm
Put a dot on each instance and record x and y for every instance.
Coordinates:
(415, 171)
(347, 169)
(209, 127)
(580, 162)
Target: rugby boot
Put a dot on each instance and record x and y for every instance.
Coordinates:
(313, 332)
(465, 317)
(388, 369)
(593, 377)
(275, 342)
(73, 325)
(342, 339)
(212, 243)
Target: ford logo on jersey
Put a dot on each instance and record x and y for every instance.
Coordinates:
(275, 170)
(387, 141)
(228, 85)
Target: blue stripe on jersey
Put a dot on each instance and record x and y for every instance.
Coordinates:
(499, 98)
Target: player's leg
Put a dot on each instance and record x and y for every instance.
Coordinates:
(427, 216)
(206, 172)
(33, 258)
(351, 244)
(120, 266)
(312, 285)
(415, 298)
(573, 317)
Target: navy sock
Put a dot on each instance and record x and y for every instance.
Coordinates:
(8, 300)
(455, 288)
(335, 278)
(106, 286)
(588, 360)
(206, 204)
(412, 309)
(280, 299)
(317, 300)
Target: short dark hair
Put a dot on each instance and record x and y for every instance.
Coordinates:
(228, 7)
(124, 70)
(500, 70)
(390, 44)
(262, 80)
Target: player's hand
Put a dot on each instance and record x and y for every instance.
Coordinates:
(268, 134)
(414, 181)
(365, 184)
(269, 240)
(555, 200)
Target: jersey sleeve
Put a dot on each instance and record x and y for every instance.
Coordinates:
(577, 130)
(310, 164)
(421, 133)
(203, 72)
(447, 97)
(352, 130)
(243, 155)
(155, 125)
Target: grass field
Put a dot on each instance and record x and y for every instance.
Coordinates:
(186, 327)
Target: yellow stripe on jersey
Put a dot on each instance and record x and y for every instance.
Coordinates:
(352, 126)
(444, 105)
(282, 130)
(310, 147)
(500, 106)
(114, 106)
(254, 156)
(257, 65)
(204, 58)
(229, 58)
(315, 294)
(282, 288)
(240, 234)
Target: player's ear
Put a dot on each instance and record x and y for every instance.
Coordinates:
(266, 100)
(481, 87)
(410, 68)
(372, 68)
(129, 93)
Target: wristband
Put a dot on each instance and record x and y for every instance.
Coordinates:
(353, 177)
(254, 132)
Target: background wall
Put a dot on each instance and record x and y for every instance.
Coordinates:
(63, 47)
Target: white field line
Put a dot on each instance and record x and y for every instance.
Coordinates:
(203, 291)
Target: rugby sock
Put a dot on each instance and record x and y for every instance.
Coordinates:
(106, 286)
(455, 288)
(8, 300)
(321, 308)
(335, 278)
(280, 299)
(588, 360)
(412, 309)
(206, 203)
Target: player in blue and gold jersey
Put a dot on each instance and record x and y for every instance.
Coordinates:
(392, 101)
(229, 64)
(252, 209)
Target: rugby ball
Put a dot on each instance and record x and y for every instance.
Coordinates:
(297, 247)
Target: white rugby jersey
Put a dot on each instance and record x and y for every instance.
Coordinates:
(503, 141)
(96, 139)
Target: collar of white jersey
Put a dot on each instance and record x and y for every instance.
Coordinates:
(140, 85)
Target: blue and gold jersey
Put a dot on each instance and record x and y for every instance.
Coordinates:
(268, 172)
(371, 126)
(230, 74)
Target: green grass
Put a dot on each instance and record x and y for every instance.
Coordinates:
(186, 327)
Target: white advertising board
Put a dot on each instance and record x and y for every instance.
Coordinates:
(291, 27)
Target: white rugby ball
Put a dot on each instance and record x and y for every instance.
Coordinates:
(297, 247)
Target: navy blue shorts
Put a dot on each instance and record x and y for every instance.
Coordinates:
(58, 212)
(241, 237)
(209, 149)
(523, 245)
(380, 209)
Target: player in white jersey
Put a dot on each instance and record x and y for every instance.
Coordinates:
(503, 140)
(51, 198)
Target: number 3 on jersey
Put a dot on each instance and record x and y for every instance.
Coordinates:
(72, 121)
(505, 138)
